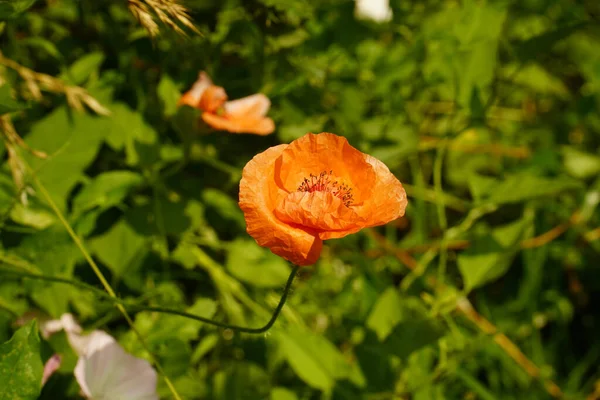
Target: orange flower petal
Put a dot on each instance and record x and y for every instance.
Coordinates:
(259, 126)
(313, 154)
(213, 98)
(388, 198)
(386, 203)
(256, 105)
(192, 97)
(317, 210)
(258, 196)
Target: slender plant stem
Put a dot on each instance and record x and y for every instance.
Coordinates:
(238, 328)
(105, 284)
(139, 308)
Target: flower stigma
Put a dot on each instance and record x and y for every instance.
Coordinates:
(324, 183)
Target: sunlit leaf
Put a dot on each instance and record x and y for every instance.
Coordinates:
(255, 265)
(21, 366)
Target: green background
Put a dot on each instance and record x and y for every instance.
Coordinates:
(488, 112)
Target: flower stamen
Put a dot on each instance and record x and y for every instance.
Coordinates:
(324, 183)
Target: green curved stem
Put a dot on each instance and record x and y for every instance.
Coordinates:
(238, 328)
(163, 310)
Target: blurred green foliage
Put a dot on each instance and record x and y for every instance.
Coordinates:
(489, 112)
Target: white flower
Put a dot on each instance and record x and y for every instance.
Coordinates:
(377, 10)
(105, 371)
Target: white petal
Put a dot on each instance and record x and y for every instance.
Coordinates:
(377, 10)
(85, 345)
(110, 373)
(256, 105)
(202, 83)
(66, 323)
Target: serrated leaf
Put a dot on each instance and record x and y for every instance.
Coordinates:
(21, 366)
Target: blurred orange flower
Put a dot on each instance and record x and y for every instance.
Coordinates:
(316, 188)
(245, 115)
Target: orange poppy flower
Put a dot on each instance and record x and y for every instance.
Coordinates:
(245, 115)
(318, 187)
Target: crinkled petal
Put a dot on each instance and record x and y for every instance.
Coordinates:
(258, 198)
(388, 199)
(256, 105)
(325, 152)
(256, 125)
(321, 211)
(110, 373)
(192, 97)
(386, 202)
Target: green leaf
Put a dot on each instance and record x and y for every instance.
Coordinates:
(106, 190)
(7, 103)
(314, 359)
(120, 247)
(52, 297)
(478, 32)
(528, 50)
(130, 131)
(412, 335)
(255, 265)
(374, 359)
(81, 69)
(386, 313)
(46, 45)
(72, 141)
(10, 9)
(580, 164)
(527, 186)
(34, 215)
(169, 95)
(240, 381)
(21, 366)
(281, 393)
(489, 256)
(222, 210)
(292, 131)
